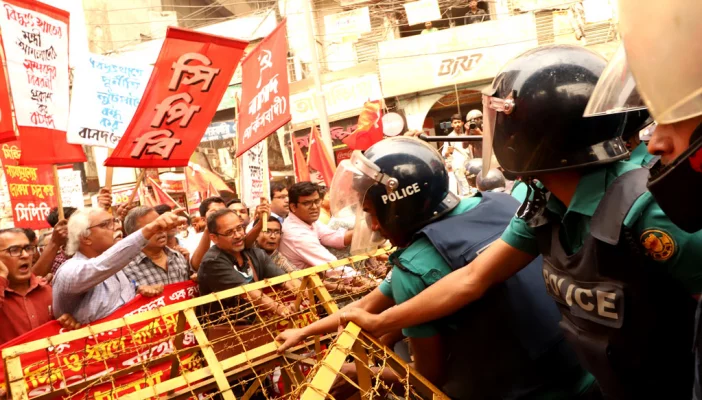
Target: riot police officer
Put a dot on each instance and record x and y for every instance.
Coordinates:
(621, 273)
(508, 345)
(663, 59)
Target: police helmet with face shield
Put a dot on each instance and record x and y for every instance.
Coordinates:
(658, 67)
(403, 180)
(533, 114)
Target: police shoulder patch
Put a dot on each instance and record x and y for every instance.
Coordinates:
(658, 244)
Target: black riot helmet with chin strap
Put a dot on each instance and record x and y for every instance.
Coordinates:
(403, 179)
(533, 113)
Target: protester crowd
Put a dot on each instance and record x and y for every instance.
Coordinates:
(95, 260)
(578, 281)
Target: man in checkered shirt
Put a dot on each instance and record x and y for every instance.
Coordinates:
(156, 264)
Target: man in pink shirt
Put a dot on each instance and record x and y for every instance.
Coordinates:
(304, 238)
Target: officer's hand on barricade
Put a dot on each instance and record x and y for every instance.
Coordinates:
(371, 323)
(289, 338)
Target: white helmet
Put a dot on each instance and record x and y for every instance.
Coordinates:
(474, 114)
(663, 42)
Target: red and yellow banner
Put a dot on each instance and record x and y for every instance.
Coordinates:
(31, 188)
(35, 40)
(265, 93)
(87, 358)
(188, 81)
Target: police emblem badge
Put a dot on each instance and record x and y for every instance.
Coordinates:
(658, 244)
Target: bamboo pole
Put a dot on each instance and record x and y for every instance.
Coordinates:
(57, 192)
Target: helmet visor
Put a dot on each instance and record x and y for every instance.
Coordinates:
(616, 89)
(349, 186)
(491, 106)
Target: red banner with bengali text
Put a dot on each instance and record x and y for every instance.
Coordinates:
(7, 130)
(188, 81)
(117, 349)
(31, 188)
(265, 92)
(35, 41)
(46, 371)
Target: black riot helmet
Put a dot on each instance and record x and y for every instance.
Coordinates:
(533, 114)
(403, 179)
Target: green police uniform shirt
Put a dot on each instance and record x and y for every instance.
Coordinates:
(519, 191)
(662, 241)
(640, 155)
(422, 258)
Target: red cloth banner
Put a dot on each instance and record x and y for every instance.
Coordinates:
(265, 93)
(302, 171)
(31, 188)
(112, 350)
(319, 159)
(35, 40)
(188, 81)
(161, 196)
(370, 127)
(7, 130)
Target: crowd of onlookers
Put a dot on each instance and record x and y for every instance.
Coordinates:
(95, 260)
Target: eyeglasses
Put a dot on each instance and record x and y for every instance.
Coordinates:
(238, 230)
(274, 232)
(309, 203)
(16, 251)
(107, 224)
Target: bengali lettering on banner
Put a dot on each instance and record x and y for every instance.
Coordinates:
(265, 92)
(71, 188)
(106, 93)
(31, 188)
(189, 79)
(254, 170)
(35, 39)
(106, 351)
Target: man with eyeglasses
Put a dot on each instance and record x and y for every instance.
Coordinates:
(25, 299)
(92, 285)
(212, 204)
(229, 264)
(269, 242)
(280, 207)
(304, 239)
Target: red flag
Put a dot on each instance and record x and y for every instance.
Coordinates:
(302, 171)
(35, 40)
(265, 93)
(319, 159)
(370, 127)
(189, 79)
(31, 188)
(161, 196)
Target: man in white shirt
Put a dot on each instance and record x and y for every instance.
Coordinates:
(456, 156)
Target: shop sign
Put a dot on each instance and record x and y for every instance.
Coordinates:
(441, 59)
(341, 96)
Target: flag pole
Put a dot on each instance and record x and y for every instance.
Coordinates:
(57, 189)
(319, 93)
(142, 174)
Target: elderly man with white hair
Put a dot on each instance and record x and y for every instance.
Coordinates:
(91, 285)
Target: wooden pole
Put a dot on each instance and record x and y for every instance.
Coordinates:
(57, 191)
(142, 174)
(109, 171)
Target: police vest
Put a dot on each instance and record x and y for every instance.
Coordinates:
(510, 337)
(629, 321)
